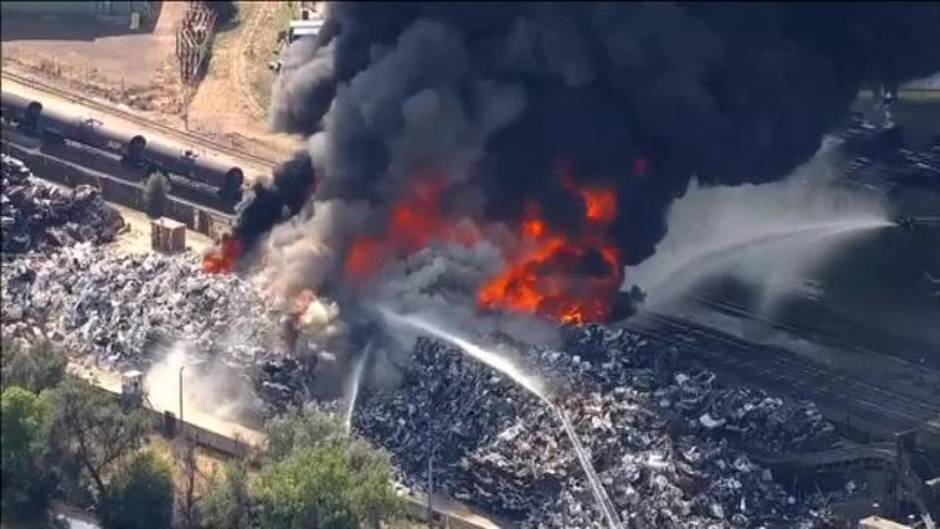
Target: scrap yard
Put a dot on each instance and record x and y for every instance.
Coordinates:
(586, 266)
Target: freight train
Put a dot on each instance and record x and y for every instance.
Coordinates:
(192, 176)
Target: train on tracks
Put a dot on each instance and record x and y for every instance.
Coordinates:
(198, 178)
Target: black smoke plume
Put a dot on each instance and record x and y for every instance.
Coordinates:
(638, 96)
(291, 185)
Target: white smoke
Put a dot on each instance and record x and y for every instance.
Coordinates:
(441, 283)
(210, 388)
(302, 252)
(768, 235)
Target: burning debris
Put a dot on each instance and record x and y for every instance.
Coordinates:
(554, 275)
(37, 215)
(669, 444)
(573, 128)
(509, 158)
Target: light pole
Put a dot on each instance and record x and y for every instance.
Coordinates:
(181, 397)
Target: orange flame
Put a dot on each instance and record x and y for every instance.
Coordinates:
(549, 273)
(221, 259)
(554, 276)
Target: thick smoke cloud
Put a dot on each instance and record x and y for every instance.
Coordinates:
(498, 97)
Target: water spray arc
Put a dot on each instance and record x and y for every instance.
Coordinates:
(528, 382)
(354, 384)
(667, 282)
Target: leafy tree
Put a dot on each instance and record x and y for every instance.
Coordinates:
(189, 494)
(301, 428)
(372, 495)
(227, 505)
(140, 495)
(307, 490)
(91, 431)
(155, 191)
(23, 447)
(33, 366)
(326, 486)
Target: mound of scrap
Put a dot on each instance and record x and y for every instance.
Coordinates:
(37, 215)
(61, 282)
(127, 311)
(670, 445)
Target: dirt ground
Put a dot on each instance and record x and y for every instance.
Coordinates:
(234, 95)
(105, 58)
(138, 69)
(135, 239)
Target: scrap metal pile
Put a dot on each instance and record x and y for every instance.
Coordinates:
(122, 309)
(668, 443)
(36, 215)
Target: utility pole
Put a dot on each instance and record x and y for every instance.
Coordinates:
(181, 397)
(430, 484)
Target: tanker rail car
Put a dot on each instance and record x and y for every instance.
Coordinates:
(192, 176)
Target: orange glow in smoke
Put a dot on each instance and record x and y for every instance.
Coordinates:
(301, 302)
(221, 259)
(414, 223)
(601, 204)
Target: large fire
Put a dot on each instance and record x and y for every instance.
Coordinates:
(549, 273)
(568, 278)
(553, 275)
(222, 258)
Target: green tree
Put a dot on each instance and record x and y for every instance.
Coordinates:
(326, 486)
(189, 494)
(155, 191)
(91, 432)
(301, 428)
(372, 496)
(227, 505)
(23, 446)
(307, 490)
(140, 495)
(34, 366)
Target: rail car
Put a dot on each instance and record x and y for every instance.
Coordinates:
(51, 126)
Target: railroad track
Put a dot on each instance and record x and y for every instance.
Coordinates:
(845, 398)
(149, 123)
(738, 310)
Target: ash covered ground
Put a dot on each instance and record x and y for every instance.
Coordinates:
(670, 444)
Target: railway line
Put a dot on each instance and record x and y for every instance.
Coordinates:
(857, 404)
(152, 124)
(895, 355)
